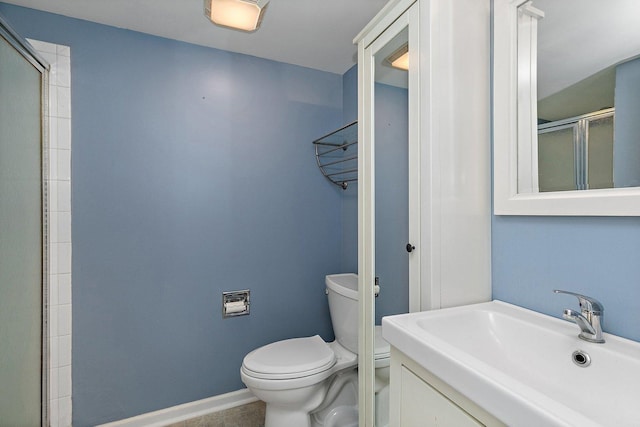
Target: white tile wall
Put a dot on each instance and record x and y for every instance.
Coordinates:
(60, 399)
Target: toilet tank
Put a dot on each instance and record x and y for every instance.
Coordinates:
(342, 291)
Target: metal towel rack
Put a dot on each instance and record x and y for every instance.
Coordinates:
(337, 155)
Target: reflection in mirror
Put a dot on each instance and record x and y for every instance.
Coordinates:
(576, 153)
(391, 148)
(583, 132)
(391, 144)
(392, 62)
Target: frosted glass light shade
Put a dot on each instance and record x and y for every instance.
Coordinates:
(400, 58)
(402, 62)
(244, 15)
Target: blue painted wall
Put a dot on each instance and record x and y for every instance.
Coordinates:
(599, 257)
(350, 95)
(350, 195)
(392, 199)
(193, 173)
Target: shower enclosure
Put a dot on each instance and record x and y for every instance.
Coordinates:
(23, 254)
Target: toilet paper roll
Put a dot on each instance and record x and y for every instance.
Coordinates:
(234, 307)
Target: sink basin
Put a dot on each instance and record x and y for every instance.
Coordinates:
(518, 364)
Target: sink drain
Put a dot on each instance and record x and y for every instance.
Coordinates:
(581, 358)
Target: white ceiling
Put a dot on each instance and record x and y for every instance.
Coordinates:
(577, 38)
(312, 33)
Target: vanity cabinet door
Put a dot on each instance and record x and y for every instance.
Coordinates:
(420, 399)
(422, 405)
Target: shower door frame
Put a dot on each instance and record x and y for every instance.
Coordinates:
(32, 56)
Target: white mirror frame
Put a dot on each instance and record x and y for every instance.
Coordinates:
(506, 199)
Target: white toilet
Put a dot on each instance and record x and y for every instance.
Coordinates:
(307, 382)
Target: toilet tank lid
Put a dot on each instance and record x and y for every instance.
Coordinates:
(345, 284)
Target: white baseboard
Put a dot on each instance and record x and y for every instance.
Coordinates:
(187, 411)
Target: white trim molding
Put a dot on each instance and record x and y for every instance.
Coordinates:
(198, 408)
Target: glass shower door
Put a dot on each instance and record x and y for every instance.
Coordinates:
(21, 231)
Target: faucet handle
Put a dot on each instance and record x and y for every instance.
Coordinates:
(586, 303)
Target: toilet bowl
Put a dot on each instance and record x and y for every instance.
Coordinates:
(308, 382)
(293, 377)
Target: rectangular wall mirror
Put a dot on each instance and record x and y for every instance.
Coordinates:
(566, 81)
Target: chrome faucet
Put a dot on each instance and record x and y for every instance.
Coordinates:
(589, 319)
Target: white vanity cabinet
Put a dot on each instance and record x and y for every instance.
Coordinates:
(420, 399)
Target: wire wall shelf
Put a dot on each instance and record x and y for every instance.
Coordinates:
(337, 155)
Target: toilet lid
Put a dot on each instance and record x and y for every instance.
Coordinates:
(382, 347)
(292, 358)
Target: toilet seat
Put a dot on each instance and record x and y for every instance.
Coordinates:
(290, 359)
(301, 362)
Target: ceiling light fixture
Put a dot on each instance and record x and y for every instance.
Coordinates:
(400, 58)
(244, 15)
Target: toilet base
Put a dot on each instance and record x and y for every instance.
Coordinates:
(341, 416)
(278, 417)
(340, 408)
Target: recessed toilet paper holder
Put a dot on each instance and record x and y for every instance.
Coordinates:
(235, 303)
